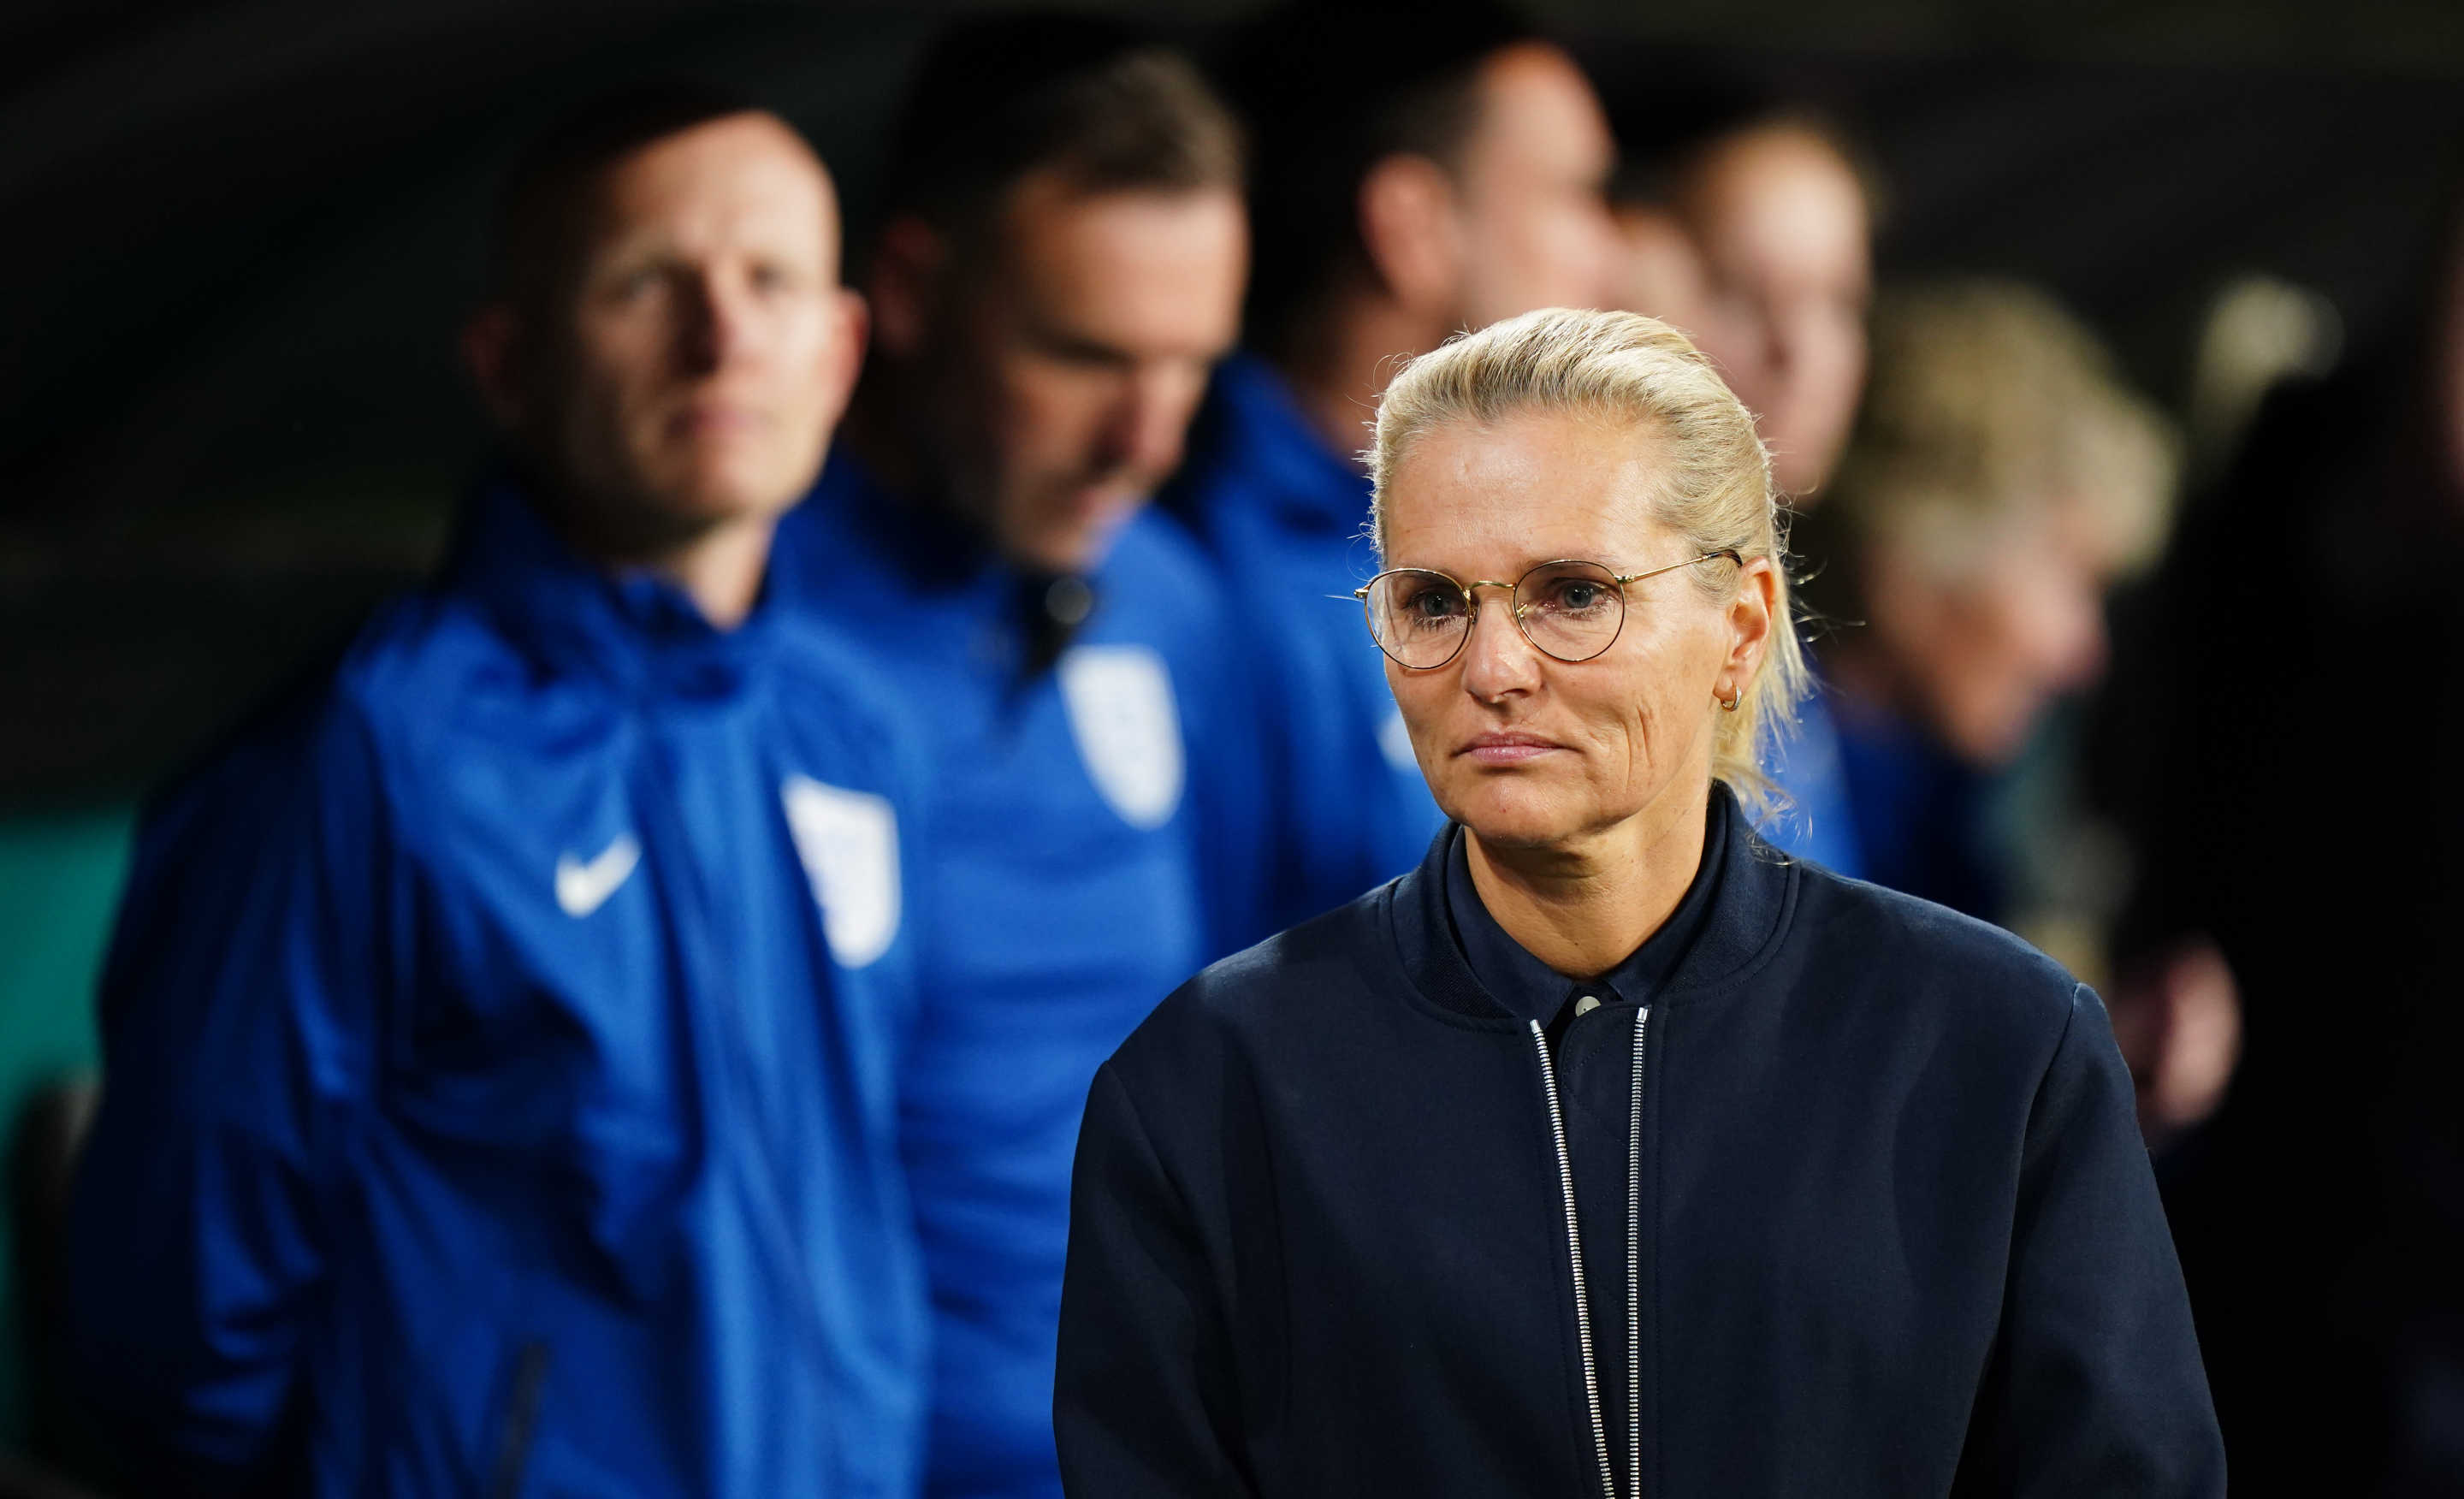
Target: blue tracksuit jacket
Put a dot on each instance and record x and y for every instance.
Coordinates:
(1093, 823)
(1809, 767)
(499, 1047)
(1287, 517)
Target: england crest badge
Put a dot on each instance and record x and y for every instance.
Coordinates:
(849, 844)
(1127, 729)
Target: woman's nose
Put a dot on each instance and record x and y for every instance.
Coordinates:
(1497, 659)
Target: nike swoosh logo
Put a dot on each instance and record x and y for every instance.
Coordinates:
(581, 889)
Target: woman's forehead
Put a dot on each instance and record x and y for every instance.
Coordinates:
(1530, 489)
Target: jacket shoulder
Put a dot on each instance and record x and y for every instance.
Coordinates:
(1930, 956)
(420, 652)
(1273, 989)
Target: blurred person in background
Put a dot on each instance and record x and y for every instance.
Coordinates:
(1060, 266)
(500, 1036)
(2282, 746)
(1783, 222)
(1660, 269)
(1747, 223)
(1607, 1152)
(1419, 170)
(2000, 480)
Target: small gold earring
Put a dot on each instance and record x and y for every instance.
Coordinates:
(1729, 704)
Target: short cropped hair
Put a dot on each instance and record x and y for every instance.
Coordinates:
(1667, 133)
(1988, 403)
(1714, 489)
(538, 227)
(1101, 105)
(1330, 88)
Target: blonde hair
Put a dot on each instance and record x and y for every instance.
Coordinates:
(1989, 404)
(1714, 488)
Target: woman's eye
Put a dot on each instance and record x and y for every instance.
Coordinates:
(1574, 596)
(1434, 604)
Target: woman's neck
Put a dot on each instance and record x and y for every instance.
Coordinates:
(1584, 908)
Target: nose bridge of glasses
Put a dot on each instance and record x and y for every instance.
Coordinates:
(1471, 593)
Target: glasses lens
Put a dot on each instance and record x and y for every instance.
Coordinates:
(1418, 617)
(1572, 610)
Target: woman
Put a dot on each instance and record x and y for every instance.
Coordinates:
(1610, 1151)
(2001, 479)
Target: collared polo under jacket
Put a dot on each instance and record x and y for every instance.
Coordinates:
(499, 1046)
(1854, 1205)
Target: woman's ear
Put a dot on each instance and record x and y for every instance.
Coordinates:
(1409, 226)
(1752, 615)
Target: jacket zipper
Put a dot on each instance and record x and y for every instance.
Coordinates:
(1632, 1260)
(1634, 1264)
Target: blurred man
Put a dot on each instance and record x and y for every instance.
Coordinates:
(1660, 271)
(1780, 218)
(498, 1040)
(1060, 267)
(1421, 171)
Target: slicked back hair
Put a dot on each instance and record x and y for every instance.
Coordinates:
(1625, 371)
(1330, 88)
(1101, 105)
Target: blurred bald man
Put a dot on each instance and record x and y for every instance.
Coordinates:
(1782, 222)
(1422, 170)
(499, 1038)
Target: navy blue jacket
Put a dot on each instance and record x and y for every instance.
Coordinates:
(1090, 818)
(1862, 1173)
(500, 1053)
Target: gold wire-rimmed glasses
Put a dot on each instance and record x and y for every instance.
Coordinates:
(1570, 609)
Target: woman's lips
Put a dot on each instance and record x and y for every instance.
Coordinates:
(1507, 749)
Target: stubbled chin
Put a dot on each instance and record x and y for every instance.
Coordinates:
(1081, 546)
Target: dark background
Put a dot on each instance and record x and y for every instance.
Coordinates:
(239, 237)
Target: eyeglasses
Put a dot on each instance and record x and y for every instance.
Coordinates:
(1572, 610)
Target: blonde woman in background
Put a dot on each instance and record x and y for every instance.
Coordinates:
(2001, 479)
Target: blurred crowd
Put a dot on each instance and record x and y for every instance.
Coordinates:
(627, 1027)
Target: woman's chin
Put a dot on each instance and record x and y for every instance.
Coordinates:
(1515, 822)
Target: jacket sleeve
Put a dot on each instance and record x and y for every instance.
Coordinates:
(2095, 1384)
(243, 958)
(1143, 1401)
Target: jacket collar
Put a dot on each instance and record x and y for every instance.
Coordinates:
(923, 544)
(1253, 415)
(850, 519)
(1529, 988)
(632, 629)
(1746, 917)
